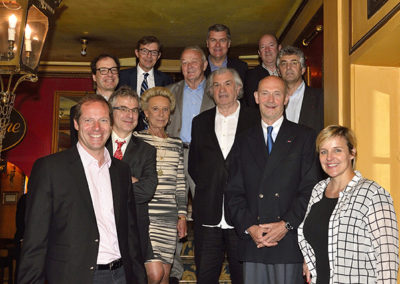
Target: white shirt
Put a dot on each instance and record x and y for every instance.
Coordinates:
(99, 182)
(274, 73)
(225, 130)
(276, 126)
(114, 137)
(140, 78)
(295, 101)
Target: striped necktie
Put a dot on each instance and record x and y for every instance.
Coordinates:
(144, 86)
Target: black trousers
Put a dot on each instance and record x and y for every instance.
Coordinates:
(211, 243)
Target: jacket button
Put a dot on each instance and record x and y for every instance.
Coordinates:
(96, 240)
(279, 217)
(258, 218)
(261, 195)
(276, 195)
(92, 268)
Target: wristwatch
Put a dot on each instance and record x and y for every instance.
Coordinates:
(288, 226)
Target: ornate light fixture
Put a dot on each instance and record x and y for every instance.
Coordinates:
(23, 30)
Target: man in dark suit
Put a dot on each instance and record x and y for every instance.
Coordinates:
(268, 48)
(306, 105)
(271, 176)
(80, 224)
(105, 69)
(218, 43)
(140, 156)
(144, 75)
(213, 134)
(191, 99)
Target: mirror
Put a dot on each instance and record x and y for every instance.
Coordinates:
(63, 101)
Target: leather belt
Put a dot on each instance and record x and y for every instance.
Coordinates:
(110, 266)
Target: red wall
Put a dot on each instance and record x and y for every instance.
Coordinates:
(35, 102)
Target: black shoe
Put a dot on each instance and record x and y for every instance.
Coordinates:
(173, 280)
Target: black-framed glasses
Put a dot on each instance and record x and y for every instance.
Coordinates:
(146, 51)
(125, 109)
(105, 71)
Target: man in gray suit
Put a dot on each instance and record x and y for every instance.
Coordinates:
(191, 99)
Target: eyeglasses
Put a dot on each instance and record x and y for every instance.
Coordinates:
(105, 71)
(125, 109)
(146, 51)
(293, 63)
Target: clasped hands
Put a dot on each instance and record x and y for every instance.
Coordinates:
(267, 235)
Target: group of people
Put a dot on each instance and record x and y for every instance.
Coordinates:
(112, 208)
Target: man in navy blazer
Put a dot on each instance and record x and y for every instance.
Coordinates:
(80, 222)
(306, 104)
(139, 155)
(218, 43)
(271, 176)
(148, 52)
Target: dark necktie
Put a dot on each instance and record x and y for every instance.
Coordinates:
(144, 86)
(118, 152)
(270, 142)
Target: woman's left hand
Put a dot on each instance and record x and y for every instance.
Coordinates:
(182, 227)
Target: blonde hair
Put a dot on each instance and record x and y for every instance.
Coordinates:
(155, 92)
(338, 131)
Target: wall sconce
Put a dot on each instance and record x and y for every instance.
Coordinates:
(306, 41)
(21, 46)
(84, 43)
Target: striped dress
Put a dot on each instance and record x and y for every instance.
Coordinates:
(170, 197)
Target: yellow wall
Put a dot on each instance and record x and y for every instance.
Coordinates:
(376, 122)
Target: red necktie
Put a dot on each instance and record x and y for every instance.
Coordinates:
(118, 153)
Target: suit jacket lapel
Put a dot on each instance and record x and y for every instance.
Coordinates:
(179, 103)
(78, 173)
(130, 148)
(115, 185)
(258, 147)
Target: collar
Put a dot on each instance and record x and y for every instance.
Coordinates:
(234, 114)
(140, 71)
(201, 86)
(114, 137)
(88, 159)
(214, 67)
(275, 72)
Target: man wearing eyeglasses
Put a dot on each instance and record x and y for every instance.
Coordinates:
(306, 105)
(144, 76)
(105, 69)
(140, 156)
(218, 43)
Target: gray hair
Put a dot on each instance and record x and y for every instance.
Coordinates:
(236, 78)
(219, 28)
(198, 49)
(291, 50)
(123, 91)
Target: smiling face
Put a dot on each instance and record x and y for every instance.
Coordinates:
(147, 61)
(158, 112)
(125, 121)
(218, 44)
(271, 97)
(193, 66)
(268, 49)
(105, 83)
(225, 91)
(94, 127)
(336, 158)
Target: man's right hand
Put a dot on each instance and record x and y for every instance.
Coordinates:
(259, 236)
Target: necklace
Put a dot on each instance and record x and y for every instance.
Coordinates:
(161, 152)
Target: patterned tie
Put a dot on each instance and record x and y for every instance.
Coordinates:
(118, 152)
(144, 86)
(270, 142)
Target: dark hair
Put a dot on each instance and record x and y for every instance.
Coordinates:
(93, 63)
(91, 98)
(219, 28)
(123, 91)
(147, 40)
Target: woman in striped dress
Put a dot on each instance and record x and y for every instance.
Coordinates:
(167, 209)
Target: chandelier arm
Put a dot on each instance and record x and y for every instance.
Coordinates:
(26, 77)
